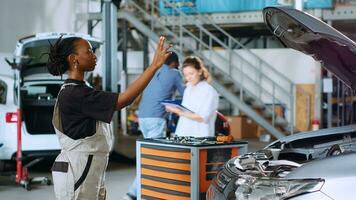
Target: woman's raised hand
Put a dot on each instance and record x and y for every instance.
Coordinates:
(161, 53)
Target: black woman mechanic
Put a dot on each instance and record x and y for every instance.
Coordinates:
(82, 116)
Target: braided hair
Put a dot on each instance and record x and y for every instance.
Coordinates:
(57, 63)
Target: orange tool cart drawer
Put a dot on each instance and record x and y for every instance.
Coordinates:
(172, 170)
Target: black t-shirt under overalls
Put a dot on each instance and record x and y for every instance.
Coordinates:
(80, 106)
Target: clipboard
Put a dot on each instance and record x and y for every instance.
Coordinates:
(176, 104)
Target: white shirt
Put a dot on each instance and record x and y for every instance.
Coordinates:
(203, 100)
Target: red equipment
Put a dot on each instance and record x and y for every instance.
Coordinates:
(21, 171)
(222, 126)
(22, 177)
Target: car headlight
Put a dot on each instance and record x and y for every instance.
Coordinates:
(262, 188)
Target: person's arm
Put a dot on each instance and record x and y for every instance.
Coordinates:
(181, 113)
(179, 84)
(208, 107)
(127, 97)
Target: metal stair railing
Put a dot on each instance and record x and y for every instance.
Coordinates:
(262, 66)
(231, 40)
(212, 66)
(143, 28)
(154, 22)
(261, 75)
(192, 48)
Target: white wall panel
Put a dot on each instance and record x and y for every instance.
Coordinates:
(19, 18)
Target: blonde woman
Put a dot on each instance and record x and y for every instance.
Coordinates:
(199, 97)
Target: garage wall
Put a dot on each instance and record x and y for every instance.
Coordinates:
(300, 68)
(19, 18)
(5, 69)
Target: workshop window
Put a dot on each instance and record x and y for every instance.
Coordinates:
(3, 91)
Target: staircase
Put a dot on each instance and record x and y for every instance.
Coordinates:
(243, 78)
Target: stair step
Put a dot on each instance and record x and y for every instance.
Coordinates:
(248, 99)
(167, 34)
(236, 90)
(267, 113)
(222, 79)
(187, 52)
(228, 84)
(280, 121)
(218, 75)
(257, 104)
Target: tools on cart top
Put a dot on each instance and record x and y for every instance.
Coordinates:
(189, 140)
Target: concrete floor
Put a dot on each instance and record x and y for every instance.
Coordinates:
(118, 178)
(119, 175)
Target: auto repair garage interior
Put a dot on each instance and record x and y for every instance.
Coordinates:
(283, 72)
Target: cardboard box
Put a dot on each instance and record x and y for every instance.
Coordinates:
(242, 127)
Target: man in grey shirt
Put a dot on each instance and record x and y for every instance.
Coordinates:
(151, 113)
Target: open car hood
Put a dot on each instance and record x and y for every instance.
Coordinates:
(305, 33)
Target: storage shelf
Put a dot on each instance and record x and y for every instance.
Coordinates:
(340, 13)
(255, 17)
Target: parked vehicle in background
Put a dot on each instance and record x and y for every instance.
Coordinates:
(310, 165)
(34, 90)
